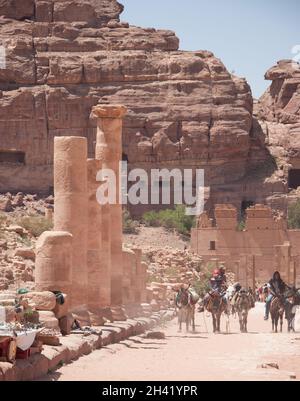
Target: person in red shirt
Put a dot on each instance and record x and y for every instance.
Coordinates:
(217, 283)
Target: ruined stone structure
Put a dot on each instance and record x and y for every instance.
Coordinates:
(63, 57)
(91, 267)
(53, 267)
(253, 252)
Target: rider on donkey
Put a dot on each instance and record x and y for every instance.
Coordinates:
(217, 283)
(186, 289)
(277, 288)
(218, 280)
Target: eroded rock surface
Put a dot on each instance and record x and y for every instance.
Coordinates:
(279, 113)
(185, 108)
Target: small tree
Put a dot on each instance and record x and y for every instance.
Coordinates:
(35, 224)
(129, 226)
(171, 219)
(241, 225)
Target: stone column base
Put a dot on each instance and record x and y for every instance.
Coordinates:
(118, 313)
(82, 316)
(96, 317)
(133, 310)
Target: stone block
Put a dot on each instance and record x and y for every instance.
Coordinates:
(43, 301)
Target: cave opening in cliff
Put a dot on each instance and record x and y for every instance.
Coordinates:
(294, 178)
(12, 157)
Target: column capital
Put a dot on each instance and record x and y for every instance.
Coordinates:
(109, 111)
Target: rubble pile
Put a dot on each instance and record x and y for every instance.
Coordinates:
(16, 258)
(172, 265)
(24, 204)
(169, 268)
(15, 271)
(17, 255)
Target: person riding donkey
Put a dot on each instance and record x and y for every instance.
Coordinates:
(277, 288)
(238, 290)
(186, 289)
(218, 283)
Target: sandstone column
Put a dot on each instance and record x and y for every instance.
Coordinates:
(128, 263)
(144, 268)
(137, 275)
(109, 151)
(98, 265)
(70, 214)
(53, 266)
(49, 213)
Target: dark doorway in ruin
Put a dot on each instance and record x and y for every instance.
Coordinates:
(294, 178)
(12, 157)
(212, 245)
(244, 206)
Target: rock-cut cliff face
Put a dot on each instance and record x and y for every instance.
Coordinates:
(279, 113)
(185, 108)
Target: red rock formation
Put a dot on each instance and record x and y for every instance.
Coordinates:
(279, 113)
(185, 108)
(65, 56)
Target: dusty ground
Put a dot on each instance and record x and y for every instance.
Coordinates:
(199, 356)
(155, 237)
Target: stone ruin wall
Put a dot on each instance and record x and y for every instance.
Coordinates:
(185, 108)
(253, 253)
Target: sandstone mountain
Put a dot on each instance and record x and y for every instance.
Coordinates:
(279, 113)
(185, 108)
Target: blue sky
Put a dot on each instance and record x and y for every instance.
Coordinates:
(248, 36)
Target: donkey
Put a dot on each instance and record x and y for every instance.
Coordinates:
(243, 304)
(230, 292)
(186, 309)
(293, 300)
(277, 311)
(216, 305)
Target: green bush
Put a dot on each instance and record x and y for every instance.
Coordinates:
(151, 219)
(24, 241)
(36, 225)
(241, 225)
(170, 219)
(294, 215)
(154, 278)
(129, 226)
(203, 286)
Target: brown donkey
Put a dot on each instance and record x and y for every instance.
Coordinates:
(186, 309)
(216, 306)
(277, 311)
(242, 305)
